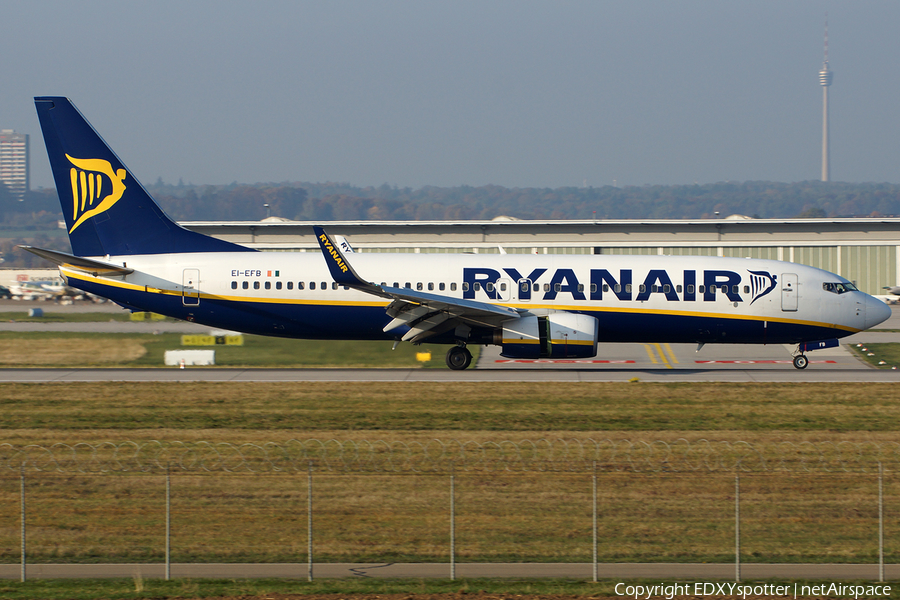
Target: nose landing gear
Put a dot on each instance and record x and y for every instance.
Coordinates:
(800, 360)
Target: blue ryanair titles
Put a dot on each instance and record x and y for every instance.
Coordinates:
(657, 281)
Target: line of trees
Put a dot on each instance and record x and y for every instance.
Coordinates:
(336, 201)
(35, 219)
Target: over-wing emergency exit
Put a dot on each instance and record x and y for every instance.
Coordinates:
(127, 249)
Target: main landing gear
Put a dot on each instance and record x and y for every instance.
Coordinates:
(459, 358)
(800, 361)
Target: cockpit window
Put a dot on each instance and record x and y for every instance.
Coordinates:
(838, 287)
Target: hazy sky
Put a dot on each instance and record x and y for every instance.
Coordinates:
(414, 93)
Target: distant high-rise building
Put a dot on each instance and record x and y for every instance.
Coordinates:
(14, 170)
(825, 76)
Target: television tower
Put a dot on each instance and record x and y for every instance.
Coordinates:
(825, 76)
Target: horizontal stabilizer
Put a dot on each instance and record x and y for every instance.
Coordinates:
(70, 261)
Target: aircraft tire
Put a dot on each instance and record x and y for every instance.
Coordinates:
(800, 361)
(458, 358)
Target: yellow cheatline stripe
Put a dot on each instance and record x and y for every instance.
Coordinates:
(671, 353)
(573, 342)
(152, 290)
(588, 309)
(683, 313)
(651, 354)
(520, 341)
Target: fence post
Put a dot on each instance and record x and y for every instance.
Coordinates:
(880, 522)
(168, 524)
(452, 523)
(737, 526)
(309, 524)
(594, 553)
(22, 502)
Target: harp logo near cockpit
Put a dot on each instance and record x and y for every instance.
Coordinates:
(95, 188)
(761, 283)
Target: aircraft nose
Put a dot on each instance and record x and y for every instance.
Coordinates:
(876, 312)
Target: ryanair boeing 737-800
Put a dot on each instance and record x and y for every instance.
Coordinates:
(126, 249)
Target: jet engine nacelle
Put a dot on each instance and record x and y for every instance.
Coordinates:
(558, 335)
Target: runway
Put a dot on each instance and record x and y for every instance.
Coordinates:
(581, 571)
(652, 362)
(729, 374)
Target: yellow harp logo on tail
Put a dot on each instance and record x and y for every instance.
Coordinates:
(91, 179)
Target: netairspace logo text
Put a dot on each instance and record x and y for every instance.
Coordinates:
(670, 591)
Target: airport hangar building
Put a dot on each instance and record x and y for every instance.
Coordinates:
(865, 251)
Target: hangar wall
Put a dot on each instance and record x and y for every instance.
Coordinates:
(864, 251)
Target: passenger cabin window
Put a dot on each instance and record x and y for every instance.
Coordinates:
(476, 286)
(334, 285)
(277, 285)
(290, 285)
(441, 286)
(430, 286)
(268, 285)
(245, 285)
(452, 287)
(312, 285)
(489, 286)
(324, 285)
(419, 286)
(465, 286)
(234, 285)
(627, 288)
(546, 287)
(255, 285)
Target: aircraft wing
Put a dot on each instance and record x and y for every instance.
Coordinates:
(425, 314)
(70, 261)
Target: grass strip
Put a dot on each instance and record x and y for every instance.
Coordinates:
(448, 407)
(65, 349)
(339, 589)
(51, 316)
(880, 356)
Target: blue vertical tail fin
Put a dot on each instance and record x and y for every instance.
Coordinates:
(107, 210)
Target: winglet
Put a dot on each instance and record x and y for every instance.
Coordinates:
(341, 271)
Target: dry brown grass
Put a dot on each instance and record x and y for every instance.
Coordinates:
(70, 352)
(500, 516)
(511, 517)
